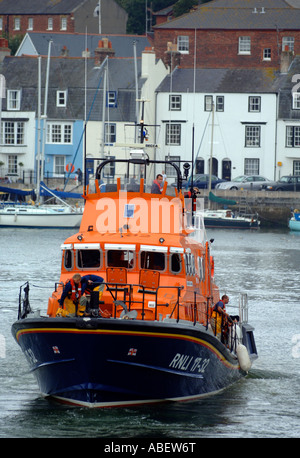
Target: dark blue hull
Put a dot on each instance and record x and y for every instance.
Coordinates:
(230, 223)
(107, 362)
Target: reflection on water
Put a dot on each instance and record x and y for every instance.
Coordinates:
(263, 264)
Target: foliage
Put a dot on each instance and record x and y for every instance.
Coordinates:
(183, 6)
(136, 10)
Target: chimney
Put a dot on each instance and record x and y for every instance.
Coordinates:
(64, 51)
(286, 60)
(4, 49)
(104, 49)
(148, 61)
(86, 53)
(172, 56)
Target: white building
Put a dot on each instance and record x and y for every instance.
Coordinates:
(239, 105)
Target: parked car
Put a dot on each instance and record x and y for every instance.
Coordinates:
(286, 183)
(248, 182)
(201, 180)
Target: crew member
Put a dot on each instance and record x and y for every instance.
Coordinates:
(73, 300)
(157, 185)
(220, 319)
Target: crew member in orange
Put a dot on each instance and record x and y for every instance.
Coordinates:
(219, 317)
(157, 185)
(74, 290)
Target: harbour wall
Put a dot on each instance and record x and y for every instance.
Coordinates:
(273, 207)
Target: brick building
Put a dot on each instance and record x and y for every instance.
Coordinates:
(231, 34)
(20, 16)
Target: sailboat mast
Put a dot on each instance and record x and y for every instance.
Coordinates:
(211, 145)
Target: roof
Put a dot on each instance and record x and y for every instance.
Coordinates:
(222, 80)
(39, 6)
(289, 85)
(240, 14)
(36, 43)
(69, 74)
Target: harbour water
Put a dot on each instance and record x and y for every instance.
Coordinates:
(266, 404)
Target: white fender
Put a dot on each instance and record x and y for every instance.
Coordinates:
(243, 357)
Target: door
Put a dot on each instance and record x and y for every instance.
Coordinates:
(226, 169)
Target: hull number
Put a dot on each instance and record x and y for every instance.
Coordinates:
(189, 363)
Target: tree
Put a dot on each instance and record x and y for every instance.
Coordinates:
(184, 6)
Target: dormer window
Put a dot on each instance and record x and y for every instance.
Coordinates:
(61, 98)
(296, 100)
(13, 99)
(111, 99)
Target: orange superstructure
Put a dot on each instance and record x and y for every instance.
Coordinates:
(139, 243)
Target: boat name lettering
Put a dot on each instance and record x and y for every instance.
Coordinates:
(188, 362)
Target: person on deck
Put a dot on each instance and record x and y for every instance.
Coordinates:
(157, 185)
(73, 300)
(219, 318)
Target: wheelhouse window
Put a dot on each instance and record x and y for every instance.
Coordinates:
(120, 258)
(252, 136)
(67, 258)
(293, 136)
(254, 104)
(174, 102)
(244, 45)
(201, 268)
(176, 260)
(153, 260)
(183, 44)
(189, 264)
(88, 258)
(59, 133)
(173, 134)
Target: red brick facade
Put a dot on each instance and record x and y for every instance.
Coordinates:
(220, 48)
(14, 25)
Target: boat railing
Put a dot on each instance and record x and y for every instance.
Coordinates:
(128, 300)
(243, 308)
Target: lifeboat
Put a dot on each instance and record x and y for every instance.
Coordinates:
(145, 333)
